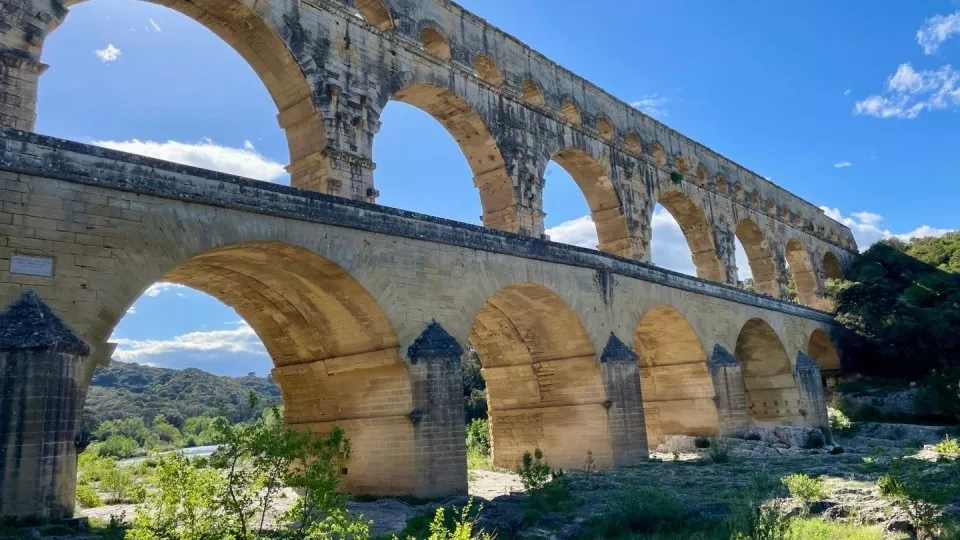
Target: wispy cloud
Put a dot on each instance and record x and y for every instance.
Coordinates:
(246, 161)
(155, 26)
(936, 30)
(843, 165)
(847, 92)
(867, 227)
(108, 53)
(161, 287)
(132, 310)
(241, 339)
(910, 92)
(652, 104)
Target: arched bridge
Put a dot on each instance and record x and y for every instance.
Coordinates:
(366, 310)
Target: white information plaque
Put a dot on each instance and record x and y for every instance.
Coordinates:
(31, 266)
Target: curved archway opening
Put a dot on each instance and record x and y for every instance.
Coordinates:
(376, 13)
(532, 94)
(334, 354)
(435, 42)
(763, 272)
(696, 231)
(424, 186)
(802, 273)
(772, 394)
(128, 75)
(678, 393)
(821, 349)
(831, 266)
(544, 388)
(606, 213)
(668, 245)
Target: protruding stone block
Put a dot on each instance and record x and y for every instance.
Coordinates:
(436, 373)
(621, 378)
(731, 392)
(810, 383)
(41, 396)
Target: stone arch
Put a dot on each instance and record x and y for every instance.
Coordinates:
(831, 266)
(701, 175)
(634, 146)
(802, 270)
(434, 42)
(258, 41)
(544, 388)
(758, 255)
(486, 68)
(468, 128)
(772, 395)
(605, 128)
(335, 352)
(376, 13)
(681, 165)
(696, 229)
(678, 393)
(721, 184)
(659, 156)
(532, 94)
(571, 112)
(821, 349)
(606, 211)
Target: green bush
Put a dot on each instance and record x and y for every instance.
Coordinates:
(119, 446)
(87, 496)
(719, 451)
(534, 471)
(92, 467)
(758, 514)
(645, 510)
(119, 485)
(818, 529)
(805, 489)
(478, 436)
(920, 492)
(839, 421)
(948, 447)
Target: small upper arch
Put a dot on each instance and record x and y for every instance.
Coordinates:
(532, 93)
(831, 266)
(571, 112)
(634, 146)
(605, 128)
(488, 70)
(434, 42)
(376, 13)
(659, 156)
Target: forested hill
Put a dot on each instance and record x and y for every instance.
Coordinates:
(123, 390)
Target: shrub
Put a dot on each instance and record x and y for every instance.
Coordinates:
(758, 515)
(534, 471)
(119, 485)
(921, 494)
(478, 436)
(87, 496)
(119, 446)
(645, 510)
(839, 421)
(446, 524)
(92, 468)
(948, 447)
(719, 451)
(805, 489)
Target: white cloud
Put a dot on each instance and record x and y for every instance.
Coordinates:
(652, 104)
(867, 229)
(206, 154)
(155, 26)
(132, 310)
(847, 92)
(843, 165)
(241, 339)
(161, 287)
(936, 30)
(910, 92)
(108, 53)
(576, 232)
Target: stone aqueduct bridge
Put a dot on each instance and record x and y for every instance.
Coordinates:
(365, 310)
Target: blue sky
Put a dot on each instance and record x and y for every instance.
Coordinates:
(853, 108)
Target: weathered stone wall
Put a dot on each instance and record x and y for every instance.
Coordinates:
(341, 291)
(510, 109)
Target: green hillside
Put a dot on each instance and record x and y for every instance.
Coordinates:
(123, 390)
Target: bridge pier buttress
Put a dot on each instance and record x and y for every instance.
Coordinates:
(731, 392)
(43, 375)
(440, 449)
(625, 415)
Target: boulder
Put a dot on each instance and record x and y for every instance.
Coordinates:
(800, 437)
(678, 443)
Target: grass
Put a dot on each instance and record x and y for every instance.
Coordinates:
(477, 461)
(818, 529)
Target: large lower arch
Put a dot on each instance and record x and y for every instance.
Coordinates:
(678, 393)
(820, 348)
(335, 353)
(490, 175)
(772, 394)
(758, 255)
(544, 389)
(696, 229)
(802, 271)
(260, 44)
(613, 235)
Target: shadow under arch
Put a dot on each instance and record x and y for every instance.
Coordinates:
(802, 270)
(772, 394)
(334, 350)
(675, 383)
(606, 210)
(696, 229)
(544, 388)
(467, 127)
(831, 266)
(758, 256)
(258, 41)
(821, 349)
